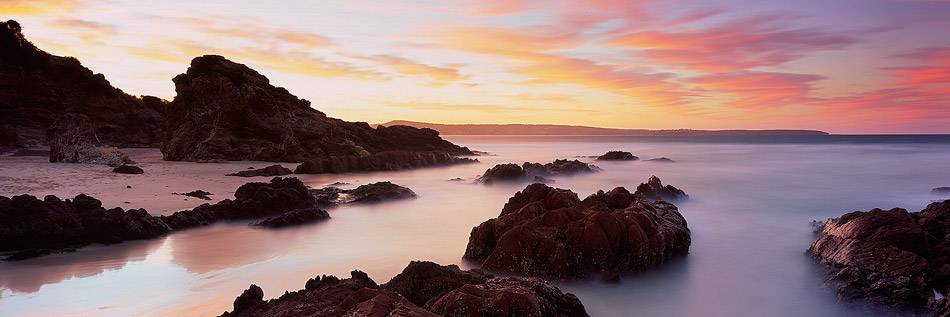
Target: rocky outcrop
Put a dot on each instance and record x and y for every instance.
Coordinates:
(940, 190)
(128, 169)
(890, 259)
(251, 200)
(535, 172)
(294, 217)
(617, 156)
(37, 88)
(35, 227)
(545, 231)
(226, 111)
(508, 296)
(273, 170)
(73, 140)
(422, 281)
(385, 161)
(370, 193)
(450, 292)
(654, 190)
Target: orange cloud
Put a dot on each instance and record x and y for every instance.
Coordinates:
(409, 67)
(936, 72)
(758, 90)
(39, 7)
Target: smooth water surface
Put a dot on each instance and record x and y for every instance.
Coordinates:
(752, 199)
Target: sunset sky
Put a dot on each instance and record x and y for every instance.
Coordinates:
(842, 66)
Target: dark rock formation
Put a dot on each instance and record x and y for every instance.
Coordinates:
(369, 193)
(34, 227)
(73, 140)
(128, 169)
(548, 231)
(384, 161)
(660, 160)
(37, 88)
(890, 259)
(940, 190)
(653, 190)
(422, 281)
(273, 170)
(200, 194)
(618, 156)
(226, 111)
(447, 290)
(329, 296)
(508, 296)
(294, 217)
(251, 200)
(534, 171)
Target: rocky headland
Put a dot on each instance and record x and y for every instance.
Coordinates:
(889, 259)
(545, 231)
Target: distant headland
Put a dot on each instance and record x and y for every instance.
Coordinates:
(554, 129)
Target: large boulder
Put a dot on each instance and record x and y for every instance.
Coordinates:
(370, 193)
(545, 231)
(422, 281)
(654, 190)
(72, 139)
(890, 259)
(508, 296)
(28, 224)
(37, 88)
(226, 111)
(383, 161)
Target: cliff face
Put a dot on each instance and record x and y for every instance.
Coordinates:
(37, 88)
(226, 111)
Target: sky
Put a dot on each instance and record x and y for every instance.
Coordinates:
(842, 66)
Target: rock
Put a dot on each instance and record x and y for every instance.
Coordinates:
(940, 190)
(384, 161)
(197, 194)
(294, 217)
(251, 297)
(890, 259)
(37, 89)
(273, 170)
(34, 226)
(617, 156)
(545, 231)
(251, 200)
(508, 296)
(534, 171)
(422, 281)
(72, 139)
(226, 111)
(331, 296)
(128, 169)
(653, 190)
(660, 160)
(369, 193)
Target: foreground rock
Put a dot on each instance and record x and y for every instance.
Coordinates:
(370, 193)
(226, 111)
(536, 172)
(384, 161)
(617, 156)
(37, 88)
(890, 259)
(446, 290)
(294, 217)
(128, 169)
(654, 190)
(545, 231)
(33, 227)
(72, 139)
(273, 170)
(251, 200)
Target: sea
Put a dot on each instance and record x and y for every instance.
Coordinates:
(752, 201)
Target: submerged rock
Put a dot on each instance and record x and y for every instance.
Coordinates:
(226, 111)
(34, 227)
(200, 194)
(617, 156)
(369, 193)
(72, 139)
(128, 169)
(273, 170)
(294, 217)
(654, 190)
(545, 231)
(661, 160)
(890, 259)
(385, 161)
(251, 200)
(534, 171)
(940, 190)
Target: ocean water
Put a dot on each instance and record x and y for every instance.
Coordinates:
(752, 198)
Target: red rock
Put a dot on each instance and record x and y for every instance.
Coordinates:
(508, 296)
